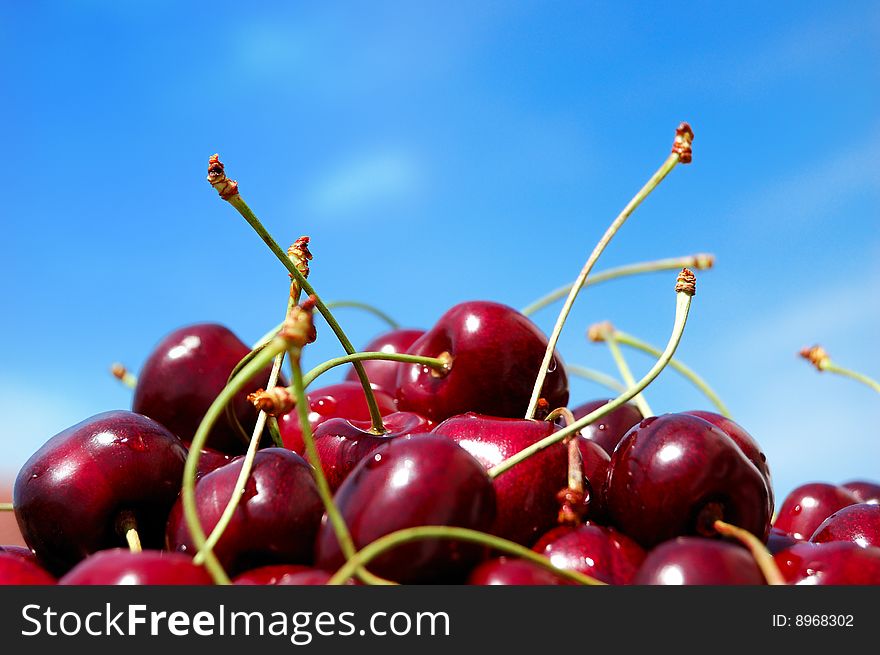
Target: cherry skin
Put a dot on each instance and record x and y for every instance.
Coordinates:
(342, 443)
(859, 524)
(508, 571)
(73, 492)
(16, 570)
(21, 552)
(496, 353)
(383, 373)
(779, 540)
(698, 561)
(832, 563)
(608, 430)
(804, 509)
(865, 490)
(595, 466)
(283, 574)
(675, 474)
(597, 551)
(123, 567)
(275, 522)
(422, 479)
(183, 375)
(343, 400)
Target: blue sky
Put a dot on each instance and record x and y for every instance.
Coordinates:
(443, 152)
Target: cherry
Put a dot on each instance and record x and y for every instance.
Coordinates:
(507, 571)
(698, 561)
(595, 462)
(183, 375)
(211, 460)
(865, 490)
(20, 552)
(495, 353)
(597, 551)
(608, 430)
(832, 563)
(149, 567)
(343, 400)
(342, 443)
(17, 570)
(383, 373)
(73, 495)
(859, 524)
(676, 474)
(283, 574)
(779, 540)
(422, 479)
(275, 522)
(804, 509)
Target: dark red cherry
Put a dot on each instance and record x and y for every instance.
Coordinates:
(211, 460)
(865, 490)
(779, 540)
(595, 461)
(73, 492)
(608, 430)
(275, 522)
(424, 479)
(183, 375)
(859, 524)
(675, 474)
(343, 400)
(274, 574)
(496, 353)
(832, 563)
(744, 440)
(597, 551)
(342, 443)
(526, 494)
(508, 571)
(149, 567)
(697, 561)
(20, 552)
(804, 509)
(383, 373)
(17, 570)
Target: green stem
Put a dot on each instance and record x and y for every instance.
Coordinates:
(238, 202)
(682, 307)
(394, 539)
(6, 507)
(687, 372)
(699, 261)
(616, 224)
(375, 311)
(432, 362)
(190, 470)
(595, 376)
(854, 375)
(627, 375)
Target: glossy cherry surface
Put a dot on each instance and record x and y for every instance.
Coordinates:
(71, 494)
(283, 574)
(699, 561)
(342, 443)
(805, 507)
(608, 430)
(17, 570)
(866, 491)
(149, 567)
(601, 552)
(275, 522)
(183, 375)
(382, 373)
(675, 474)
(424, 479)
(859, 524)
(832, 563)
(496, 353)
(344, 400)
(516, 572)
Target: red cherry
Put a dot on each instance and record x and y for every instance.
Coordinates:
(804, 509)
(608, 430)
(859, 524)
(697, 561)
(832, 563)
(865, 490)
(149, 567)
(597, 551)
(17, 570)
(507, 571)
(383, 373)
(283, 574)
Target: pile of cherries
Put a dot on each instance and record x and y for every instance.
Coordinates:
(629, 499)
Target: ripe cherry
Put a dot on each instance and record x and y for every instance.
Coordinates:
(698, 561)
(383, 373)
(149, 567)
(601, 552)
(804, 509)
(859, 524)
(832, 563)
(510, 571)
(17, 570)
(608, 430)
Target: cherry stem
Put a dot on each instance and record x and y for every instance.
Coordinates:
(6, 507)
(682, 307)
(190, 470)
(678, 365)
(126, 525)
(123, 375)
(700, 261)
(821, 360)
(595, 376)
(238, 202)
(763, 557)
(680, 152)
(626, 374)
(371, 309)
(575, 461)
(440, 364)
(407, 535)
